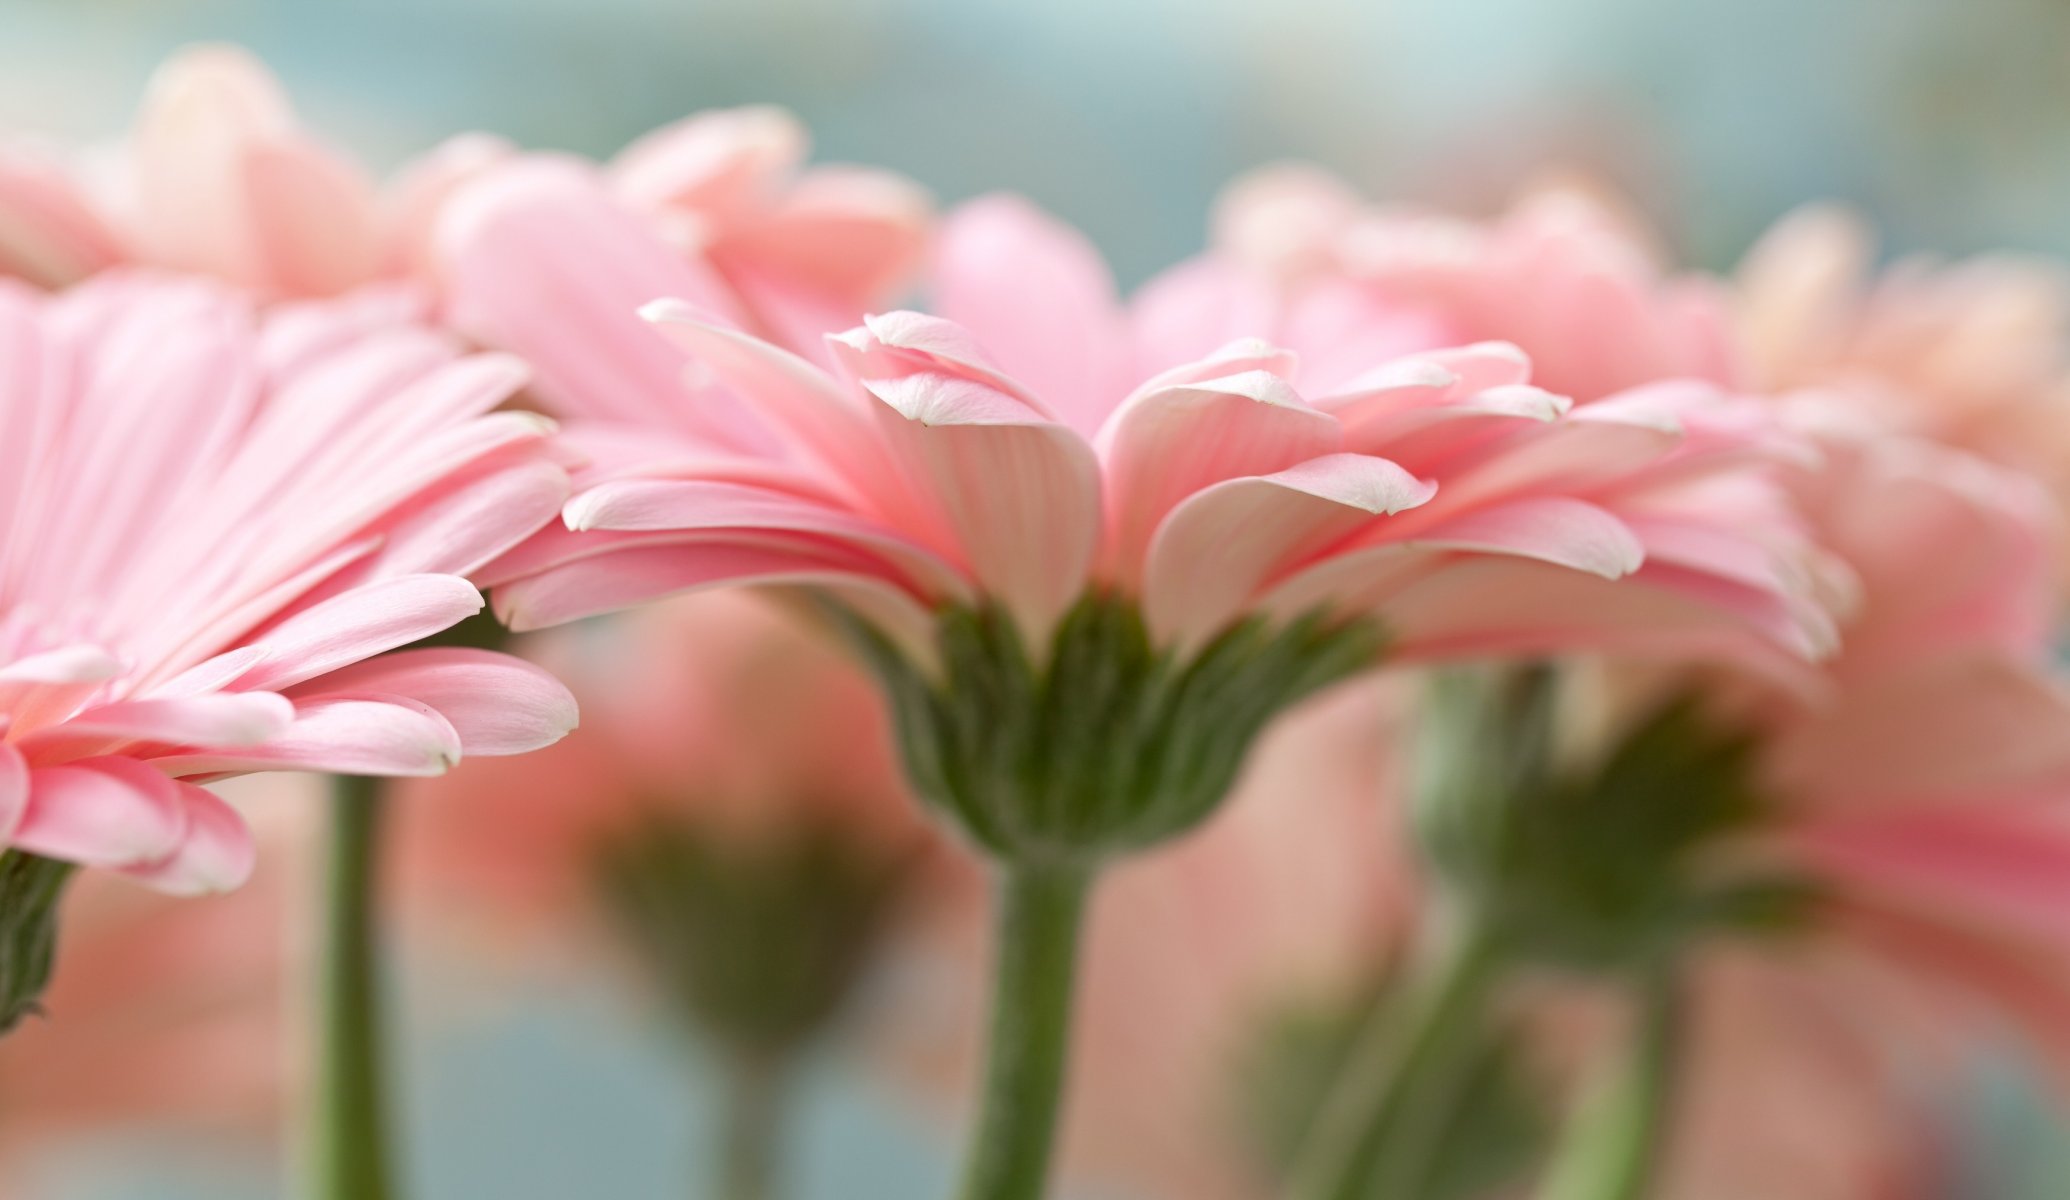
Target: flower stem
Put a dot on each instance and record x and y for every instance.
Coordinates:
(1039, 912)
(1380, 1131)
(753, 1124)
(349, 1152)
(1612, 1146)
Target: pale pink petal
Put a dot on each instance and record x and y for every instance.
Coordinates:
(660, 505)
(647, 570)
(1165, 445)
(49, 235)
(719, 164)
(217, 855)
(813, 412)
(220, 719)
(313, 220)
(102, 812)
(540, 260)
(1946, 724)
(365, 735)
(14, 791)
(1555, 529)
(498, 704)
(66, 664)
(1021, 493)
(1038, 297)
(849, 236)
(1222, 546)
(361, 623)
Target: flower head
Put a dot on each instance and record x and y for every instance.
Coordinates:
(1973, 353)
(217, 525)
(1563, 274)
(553, 257)
(1012, 465)
(217, 177)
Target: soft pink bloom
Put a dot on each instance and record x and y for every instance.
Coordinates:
(1922, 787)
(1291, 899)
(1014, 450)
(1564, 274)
(553, 256)
(216, 177)
(1973, 353)
(713, 711)
(217, 523)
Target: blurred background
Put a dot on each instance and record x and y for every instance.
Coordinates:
(1943, 120)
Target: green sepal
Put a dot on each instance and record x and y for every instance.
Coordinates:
(30, 888)
(1610, 864)
(1106, 743)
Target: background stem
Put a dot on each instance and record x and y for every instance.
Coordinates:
(349, 1150)
(1379, 1133)
(1612, 1147)
(1039, 912)
(755, 1103)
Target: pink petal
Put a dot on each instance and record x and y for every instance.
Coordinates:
(1037, 295)
(498, 704)
(1165, 445)
(48, 234)
(540, 260)
(79, 663)
(14, 791)
(1556, 529)
(722, 163)
(313, 218)
(1221, 546)
(1960, 723)
(811, 410)
(364, 735)
(1021, 493)
(102, 812)
(851, 236)
(659, 505)
(359, 624)
(217, 854)
(219, 719)
(646, 567)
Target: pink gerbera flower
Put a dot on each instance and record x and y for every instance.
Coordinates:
(718, 209)
(217, 177)
(215, 523)
(1020, 462)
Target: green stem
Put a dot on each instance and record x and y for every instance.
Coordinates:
(349, 1152)
(1039, 913)
(1379, 1133)
(753, 1125)
(1612, 1147)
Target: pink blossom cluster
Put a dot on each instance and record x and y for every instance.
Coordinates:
(265, 425)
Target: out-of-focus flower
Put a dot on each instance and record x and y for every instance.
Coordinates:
(1565, 275)
(1289, 901)
(1920, 795)
(732, 805)
(217, 177)
(1973, 353)
(216, 525)
(715, 712)
(553, 256)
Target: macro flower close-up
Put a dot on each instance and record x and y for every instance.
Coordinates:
(1093, 602)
